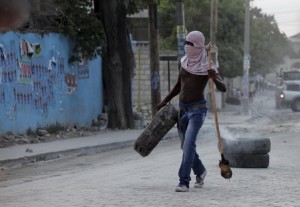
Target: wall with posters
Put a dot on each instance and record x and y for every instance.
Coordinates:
(39, 88)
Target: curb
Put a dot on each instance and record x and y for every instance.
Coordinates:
(81, 151)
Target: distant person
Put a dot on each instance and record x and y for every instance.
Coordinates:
(263, 85)
(193, 77)
(251, 91)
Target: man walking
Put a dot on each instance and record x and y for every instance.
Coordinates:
(193, 77)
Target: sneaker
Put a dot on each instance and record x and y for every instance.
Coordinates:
(199, 180)
(182, 188)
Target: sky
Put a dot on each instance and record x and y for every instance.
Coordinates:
(286, 13)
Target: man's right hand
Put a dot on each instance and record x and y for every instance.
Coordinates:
(160, 105)
(211, 73)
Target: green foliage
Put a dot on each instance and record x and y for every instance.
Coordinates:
(230, 60)
(197, 16)
(167, 24)
(135, 6)
(73, 18)
(230, 37)
(79, 22)
(268, 45)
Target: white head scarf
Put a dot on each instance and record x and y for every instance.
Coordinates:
(195, 59)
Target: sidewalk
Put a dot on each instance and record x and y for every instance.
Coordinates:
(20, 155)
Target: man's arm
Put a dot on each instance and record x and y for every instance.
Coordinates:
(217, 80)
(174, 92)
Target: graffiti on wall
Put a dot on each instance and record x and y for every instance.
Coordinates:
(33, 77)
(38, 87)
(2, 95)
(83, 70)
(8, 63)
(71, 81)
(29, 79)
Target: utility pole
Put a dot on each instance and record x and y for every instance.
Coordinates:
(154, 56)
(213, 37)
(181, 31)
(213, 27)
(246, 62)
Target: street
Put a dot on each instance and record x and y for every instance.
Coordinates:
(124, 178)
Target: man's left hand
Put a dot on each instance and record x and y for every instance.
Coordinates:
(208, 46)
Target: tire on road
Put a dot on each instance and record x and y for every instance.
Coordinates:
(248, 160)
(246, 146)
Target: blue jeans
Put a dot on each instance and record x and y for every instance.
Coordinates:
(190, 121)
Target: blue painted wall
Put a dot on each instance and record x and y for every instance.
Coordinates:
(39, 88)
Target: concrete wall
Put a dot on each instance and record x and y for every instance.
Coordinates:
(141, 83)
(39, 88)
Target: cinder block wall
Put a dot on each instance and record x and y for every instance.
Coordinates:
(141, 82)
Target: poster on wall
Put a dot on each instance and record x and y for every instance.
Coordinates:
(61, 65)
(83, 70)
(38, 67)
(71, 81)
(23, 93)
(25, 70)
(2, 55)
(8, 63)
(26, 49)
(2, 95)
(0, 74)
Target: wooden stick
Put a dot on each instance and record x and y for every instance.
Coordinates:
(211, 86)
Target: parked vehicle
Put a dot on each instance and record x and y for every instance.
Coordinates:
(288, 90)
(289, 96)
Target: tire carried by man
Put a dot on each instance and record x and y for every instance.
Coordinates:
(161, 124)
(247, 152)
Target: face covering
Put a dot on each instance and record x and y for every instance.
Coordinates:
(195, 59)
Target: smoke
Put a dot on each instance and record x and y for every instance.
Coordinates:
(13, 13)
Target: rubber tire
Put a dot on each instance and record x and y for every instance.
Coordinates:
(246, 146)
(248, 161)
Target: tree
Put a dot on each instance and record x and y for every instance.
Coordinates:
(167, 25)
(197, 16)
(268, 45)
(118, 62)
(230, 34)
(230, 37)
(97, 27)
(74, 18)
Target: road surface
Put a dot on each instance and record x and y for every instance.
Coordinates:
(123, 178)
